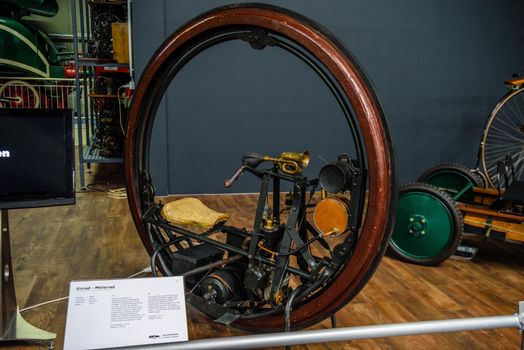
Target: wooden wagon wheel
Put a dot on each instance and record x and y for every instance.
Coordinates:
(21, 94)
(261, 26)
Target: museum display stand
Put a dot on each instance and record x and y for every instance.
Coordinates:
(14, 327)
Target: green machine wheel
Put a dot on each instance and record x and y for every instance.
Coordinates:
(457, 180)
(428, 227)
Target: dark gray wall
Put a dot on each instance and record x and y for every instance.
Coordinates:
(438, 67)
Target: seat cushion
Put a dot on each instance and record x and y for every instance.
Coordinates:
(191, 211)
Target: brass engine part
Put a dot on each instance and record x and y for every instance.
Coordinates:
(279, 297)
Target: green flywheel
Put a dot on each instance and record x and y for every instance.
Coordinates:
(457, 180)
(428, 226)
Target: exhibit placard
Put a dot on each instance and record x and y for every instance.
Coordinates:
(125, 312)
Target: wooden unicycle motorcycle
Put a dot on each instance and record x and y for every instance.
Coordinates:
(311, 265)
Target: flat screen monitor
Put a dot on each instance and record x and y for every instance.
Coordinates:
(36, 158)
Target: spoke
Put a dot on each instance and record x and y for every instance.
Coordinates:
(491, 168)
(518, 164)
(518, 169)
(515, 155)
(497, 130)
(508, 123)
(504, 132)
(505, 147)
(498, 153)
(516, 104)
(501, 150)
(509, 113)
(515, 129)
(509, 105)
(500, 140)
(500, 144)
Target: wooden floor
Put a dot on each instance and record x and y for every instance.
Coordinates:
(96, 239)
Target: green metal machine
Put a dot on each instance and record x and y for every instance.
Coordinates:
(27, 51)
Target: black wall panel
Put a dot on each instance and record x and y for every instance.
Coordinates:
(438, 67)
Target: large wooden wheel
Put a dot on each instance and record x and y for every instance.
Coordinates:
(261, 26)
(503, 136)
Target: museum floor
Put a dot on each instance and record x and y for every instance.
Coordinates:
(96, 239)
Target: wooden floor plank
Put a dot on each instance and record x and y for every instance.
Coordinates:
(96, 239)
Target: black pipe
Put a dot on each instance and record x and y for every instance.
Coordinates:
(212, 265)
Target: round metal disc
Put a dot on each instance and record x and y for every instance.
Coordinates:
(424, 226)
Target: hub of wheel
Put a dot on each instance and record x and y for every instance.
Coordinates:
(418, 225)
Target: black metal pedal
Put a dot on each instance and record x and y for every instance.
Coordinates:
(465, 252)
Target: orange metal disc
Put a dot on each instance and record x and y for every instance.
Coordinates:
(331, 215)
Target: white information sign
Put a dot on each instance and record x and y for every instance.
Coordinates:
(112, 313)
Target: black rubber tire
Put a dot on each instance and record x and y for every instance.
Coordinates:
(481, 177)
(457, 226)
(453, 169)
(477, 180)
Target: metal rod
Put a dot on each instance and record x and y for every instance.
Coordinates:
(287, 312)
(334, 321)
(83, 34)
(212, 265)
(461, 192)
(521, 317)
(130, 44)
(344, 334)
(81, 7)
(78, 103)
(276, 200)
(223, 246)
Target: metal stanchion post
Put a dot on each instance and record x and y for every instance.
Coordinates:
(334, 321)
(521, 328)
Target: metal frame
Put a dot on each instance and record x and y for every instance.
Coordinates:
(48, 92)
(78, 112)
(281, 261)
(346, 334)
(82, 84)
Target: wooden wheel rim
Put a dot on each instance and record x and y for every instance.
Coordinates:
(489, 173)
(377, 225)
